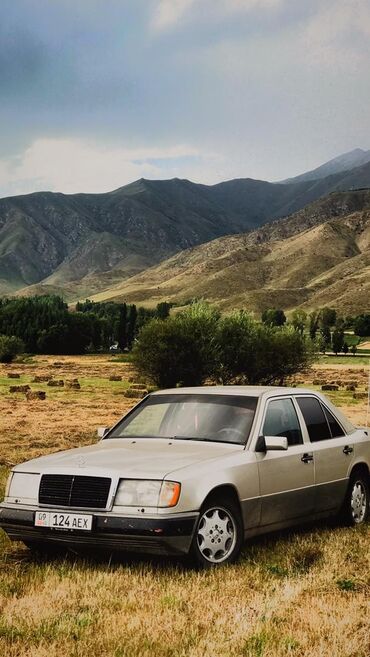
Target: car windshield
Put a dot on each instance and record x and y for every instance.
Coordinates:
(216, 418)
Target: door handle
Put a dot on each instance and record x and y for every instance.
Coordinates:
(306, 458)
(347, 449)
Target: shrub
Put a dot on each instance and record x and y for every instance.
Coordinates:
(237, 340)
(10, 346)
(181, 349)
(197, 344)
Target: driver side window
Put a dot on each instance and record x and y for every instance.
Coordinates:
(281, 420)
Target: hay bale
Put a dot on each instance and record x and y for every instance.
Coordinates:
(330, 386)
(56, 383)
(137, 386)
(115, 377)
(41, 378)
(33, 395)
(360, 395)
(23, 388)
(349, 386)
(13, 375)
(72, 384)
(135, 394)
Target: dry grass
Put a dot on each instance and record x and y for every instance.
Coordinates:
(303, 593)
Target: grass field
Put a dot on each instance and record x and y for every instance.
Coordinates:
(303, 593)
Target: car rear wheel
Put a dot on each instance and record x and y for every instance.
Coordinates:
(218, 536)
(356, 505)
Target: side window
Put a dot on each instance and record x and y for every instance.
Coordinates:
(317, 425)
(281, 420)
(335, 428)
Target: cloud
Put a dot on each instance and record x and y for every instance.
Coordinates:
(168, 13)
(71, 165)
(95, 94)
(329, 34)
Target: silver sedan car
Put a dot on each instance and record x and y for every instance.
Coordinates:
(196, 471)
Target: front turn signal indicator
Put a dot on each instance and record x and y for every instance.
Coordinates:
(170, 493)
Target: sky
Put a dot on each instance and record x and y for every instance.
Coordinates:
(97, 93)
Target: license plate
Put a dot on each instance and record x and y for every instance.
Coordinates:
(63, 520)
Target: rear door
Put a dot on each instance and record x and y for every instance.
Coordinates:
(286, 477)
(332, 450)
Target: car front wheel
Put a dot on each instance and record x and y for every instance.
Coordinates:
(218, 537)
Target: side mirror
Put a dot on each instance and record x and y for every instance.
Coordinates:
(276, 443)
(102, 431)
(266, 443)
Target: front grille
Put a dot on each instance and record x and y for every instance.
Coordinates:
(74, 491)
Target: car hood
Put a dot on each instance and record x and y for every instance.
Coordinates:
(140, 458)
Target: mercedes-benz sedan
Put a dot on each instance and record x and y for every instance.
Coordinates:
(196, 471)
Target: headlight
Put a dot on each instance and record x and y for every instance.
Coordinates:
(7, 487)
(142, 492)
(23, 486)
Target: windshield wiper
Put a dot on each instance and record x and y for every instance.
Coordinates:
(206, 440)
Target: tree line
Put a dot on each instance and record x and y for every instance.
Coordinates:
(44, 324)
(324, 326)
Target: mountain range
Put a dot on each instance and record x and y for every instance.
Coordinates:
(83, 244)
(316, 257)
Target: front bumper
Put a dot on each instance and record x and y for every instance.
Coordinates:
(160, 535)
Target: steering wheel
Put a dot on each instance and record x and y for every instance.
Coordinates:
(229, 430)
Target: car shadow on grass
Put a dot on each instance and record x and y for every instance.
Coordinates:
(254, 550)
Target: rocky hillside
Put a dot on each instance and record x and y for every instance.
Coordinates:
(317, 256)
(83, 243)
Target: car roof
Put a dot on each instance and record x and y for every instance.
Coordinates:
(247, 391)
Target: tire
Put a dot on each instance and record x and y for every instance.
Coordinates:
(218, 536)
(355, 509)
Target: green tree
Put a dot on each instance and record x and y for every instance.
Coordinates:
(337, 341)
(180, 349)
(328, 317)
(299, 320)
(163, 310)
(314, 324)
(131, 326)
(237, 339)
(122, 327)
(273, 317)
(10, 347)
(326, 337)
(345, 348)
(361, 325)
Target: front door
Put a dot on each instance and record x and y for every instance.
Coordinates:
(286, 477)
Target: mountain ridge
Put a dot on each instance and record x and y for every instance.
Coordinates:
(300, 261)
(344, 162)
(79, 244)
